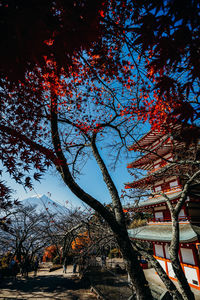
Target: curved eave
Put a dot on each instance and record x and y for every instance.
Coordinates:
(138, 184)
(149, 138)
(163, 233)
(148, 180)
(146, 140)
(193, 193)
(154, 201)
(146, 161)
(141, 183)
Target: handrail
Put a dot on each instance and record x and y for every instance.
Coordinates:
(181, 218)
(168, 191)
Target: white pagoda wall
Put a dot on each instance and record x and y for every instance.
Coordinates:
(191, 270)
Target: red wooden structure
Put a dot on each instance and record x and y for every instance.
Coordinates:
(163, 177)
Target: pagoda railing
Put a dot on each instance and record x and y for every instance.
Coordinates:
(171, 190)
(159, 220)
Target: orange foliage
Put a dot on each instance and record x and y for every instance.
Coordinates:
(81, 241)
(49, 253)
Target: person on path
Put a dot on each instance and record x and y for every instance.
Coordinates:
(103, 261)
(13, 268)
(74, 265)
(65, 265)
(82, 264)
(35, 266)
(21, 267)
(26, 266)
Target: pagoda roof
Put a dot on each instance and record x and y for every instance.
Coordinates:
(194, 191)
(158, 199)
(163, 233)
(145, 162)
(149, 179)
(146, 181)
(148, 139)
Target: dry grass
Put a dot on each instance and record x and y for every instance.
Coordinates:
(137, 223)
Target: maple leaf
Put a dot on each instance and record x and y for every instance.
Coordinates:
(102, 13)
(37, 176)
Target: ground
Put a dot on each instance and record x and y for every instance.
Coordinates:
(45, 285)
(152, 277)
(56, 285)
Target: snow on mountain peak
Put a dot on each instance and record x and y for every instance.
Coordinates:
(43, 203)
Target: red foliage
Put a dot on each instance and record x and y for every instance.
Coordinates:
(33, 29)
(107, 84)
(167, 33)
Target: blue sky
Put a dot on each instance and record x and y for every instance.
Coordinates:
(91, 181)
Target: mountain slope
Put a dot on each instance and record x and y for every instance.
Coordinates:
(42, 203)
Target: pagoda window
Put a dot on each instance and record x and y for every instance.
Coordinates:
(173, 184)
(157, 188)
(159, 251)
(187, 256)
(159, 216)
(167, 251)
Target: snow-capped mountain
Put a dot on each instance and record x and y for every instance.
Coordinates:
(42, 203)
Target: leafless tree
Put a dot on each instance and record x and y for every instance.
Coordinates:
(26, 235)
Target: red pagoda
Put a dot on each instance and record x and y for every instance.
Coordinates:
(160, 150)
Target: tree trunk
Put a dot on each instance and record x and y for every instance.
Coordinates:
(139, 282)
(174, 245)
(173, 251)
(162, 274)
(116, 221)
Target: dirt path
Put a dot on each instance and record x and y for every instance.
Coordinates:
(45, 285)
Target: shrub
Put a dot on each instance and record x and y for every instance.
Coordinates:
(137, 223)
(114, 253)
